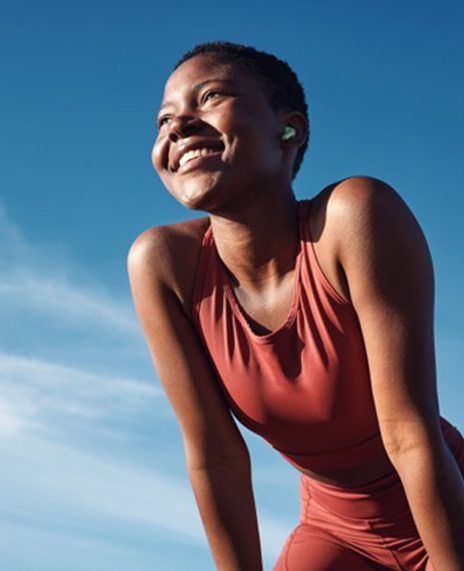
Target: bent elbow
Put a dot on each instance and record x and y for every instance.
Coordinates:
(408, 445)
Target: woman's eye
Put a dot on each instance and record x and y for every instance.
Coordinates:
(210, 95)
(162, 121)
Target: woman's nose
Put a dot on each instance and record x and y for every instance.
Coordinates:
(182, 126)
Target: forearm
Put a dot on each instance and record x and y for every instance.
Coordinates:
(435, 491)
(225, 500)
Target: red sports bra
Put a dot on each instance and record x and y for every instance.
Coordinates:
(305, 387)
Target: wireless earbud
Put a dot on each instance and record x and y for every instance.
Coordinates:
(289, 133)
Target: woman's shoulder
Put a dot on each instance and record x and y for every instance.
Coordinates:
(355, 192)
(169, 255)
(363, 205)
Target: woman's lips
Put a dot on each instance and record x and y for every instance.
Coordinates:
(194, 153)
(198, 161)
(190, 148)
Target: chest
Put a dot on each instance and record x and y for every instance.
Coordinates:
(266, 309)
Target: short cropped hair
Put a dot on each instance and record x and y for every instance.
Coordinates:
(280, 82)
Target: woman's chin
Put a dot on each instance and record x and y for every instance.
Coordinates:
(198, 192)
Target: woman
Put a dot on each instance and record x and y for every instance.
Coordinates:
(312, 322)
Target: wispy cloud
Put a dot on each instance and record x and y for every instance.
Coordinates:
(91, 489)
(31, 281)
(55, 296)
(65, 548)
(13, 244)
(33, 390)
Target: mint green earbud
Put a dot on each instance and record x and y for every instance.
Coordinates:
(289, 133)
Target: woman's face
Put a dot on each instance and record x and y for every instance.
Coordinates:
(218, 135)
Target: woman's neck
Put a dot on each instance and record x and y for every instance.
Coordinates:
(258, 243)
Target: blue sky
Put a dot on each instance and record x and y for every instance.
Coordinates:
(92, 467)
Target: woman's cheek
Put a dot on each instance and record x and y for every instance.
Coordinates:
(157, 153)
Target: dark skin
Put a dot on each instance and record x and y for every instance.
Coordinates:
(243, 182)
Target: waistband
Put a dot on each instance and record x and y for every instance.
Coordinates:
(382, 497)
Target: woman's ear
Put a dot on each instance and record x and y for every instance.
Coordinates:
(294, 130)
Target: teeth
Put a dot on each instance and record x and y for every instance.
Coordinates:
(189, 155)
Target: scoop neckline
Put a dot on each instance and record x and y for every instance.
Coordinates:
(237, 308)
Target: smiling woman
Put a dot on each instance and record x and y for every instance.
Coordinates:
(292, 317)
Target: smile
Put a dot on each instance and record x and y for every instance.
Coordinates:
(194, 150)
(195, 153)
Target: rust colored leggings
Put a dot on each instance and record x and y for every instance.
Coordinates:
(364, 528)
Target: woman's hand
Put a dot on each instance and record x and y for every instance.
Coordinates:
(389, 273)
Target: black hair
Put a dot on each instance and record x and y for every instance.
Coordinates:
(280, 81)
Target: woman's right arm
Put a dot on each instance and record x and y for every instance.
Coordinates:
(217, 458)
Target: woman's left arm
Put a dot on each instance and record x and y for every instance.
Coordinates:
(384, 256)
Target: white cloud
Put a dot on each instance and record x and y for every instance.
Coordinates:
(33, 389)
(13, 245)
(31, 281)
(95, 489)
(54, 296)
(14, 418)
(28, 546)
